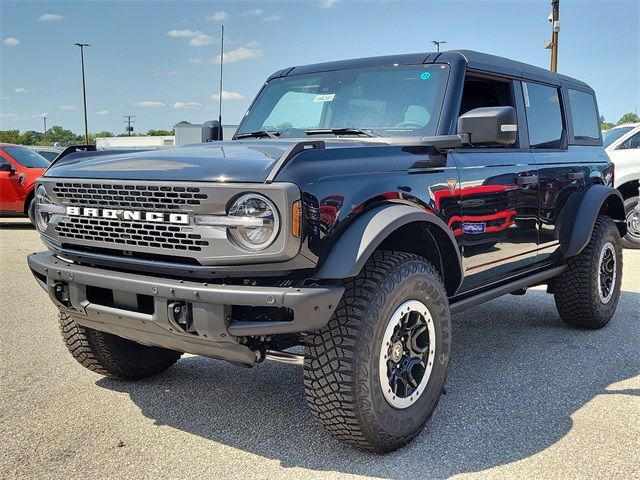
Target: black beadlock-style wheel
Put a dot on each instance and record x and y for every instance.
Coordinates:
(373, 376)
(587, 293)
(111, 355)
(632, 238)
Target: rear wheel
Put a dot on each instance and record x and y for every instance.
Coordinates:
(632, 238)
(587, 293)
(374, 374)
(111, 355)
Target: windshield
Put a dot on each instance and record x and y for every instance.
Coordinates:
(391, 101)
(611, 135)
(26, 157)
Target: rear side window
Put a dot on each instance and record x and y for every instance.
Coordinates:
(584, 117)
(48, 155)
(544, 115)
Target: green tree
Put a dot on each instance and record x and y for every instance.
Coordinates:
(59, 134)
(32, 137)
(604, 125)
(10, 136)
(160, 133)
(630, 117)
(183, 122)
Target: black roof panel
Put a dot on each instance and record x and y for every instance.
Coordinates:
(474, 60)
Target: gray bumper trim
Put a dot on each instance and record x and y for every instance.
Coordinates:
(312, 307)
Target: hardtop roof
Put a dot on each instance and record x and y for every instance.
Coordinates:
(474, 60)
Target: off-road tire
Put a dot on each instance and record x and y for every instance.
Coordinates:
(111, 355)
(341, 366)
(576, 290)
(628, 241)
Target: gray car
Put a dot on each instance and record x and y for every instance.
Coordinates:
(47, 152)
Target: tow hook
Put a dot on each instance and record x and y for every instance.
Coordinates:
(181, 314)
(61, 293)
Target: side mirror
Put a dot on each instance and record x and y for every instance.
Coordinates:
(7, 167)
(211, 131)
(488, 126)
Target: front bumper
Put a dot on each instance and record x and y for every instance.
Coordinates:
(212, 307)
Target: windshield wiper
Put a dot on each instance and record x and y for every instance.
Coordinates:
(341, 131)
(259, 134)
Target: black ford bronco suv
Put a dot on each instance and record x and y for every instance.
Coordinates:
(358, 206)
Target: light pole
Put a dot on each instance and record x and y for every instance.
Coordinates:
(44, 119)
(555, 14)
(437, 43)
(84, 91)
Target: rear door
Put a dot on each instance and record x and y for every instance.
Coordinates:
(498, 193)
(565, 147)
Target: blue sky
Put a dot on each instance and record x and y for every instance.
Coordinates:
(157, 60)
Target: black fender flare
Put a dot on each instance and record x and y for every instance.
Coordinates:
(575, 223)
(352, 249)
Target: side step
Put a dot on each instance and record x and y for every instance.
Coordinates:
(528, 281)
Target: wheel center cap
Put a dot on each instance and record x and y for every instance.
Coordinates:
(396, 352)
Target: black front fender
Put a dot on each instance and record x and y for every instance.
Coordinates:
(365, 234)
(579, 215)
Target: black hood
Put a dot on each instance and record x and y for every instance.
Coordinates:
(232, 161)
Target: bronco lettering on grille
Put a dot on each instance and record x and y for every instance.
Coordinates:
(156, 217)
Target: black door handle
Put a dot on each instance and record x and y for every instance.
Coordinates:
(575, 176)
(527, 180)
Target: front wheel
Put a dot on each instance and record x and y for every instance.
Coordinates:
(31, 211)
(587, 292)
(373, 376)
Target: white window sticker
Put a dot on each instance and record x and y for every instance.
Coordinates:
(324, 98)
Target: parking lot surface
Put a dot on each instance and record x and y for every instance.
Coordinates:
(527, 397)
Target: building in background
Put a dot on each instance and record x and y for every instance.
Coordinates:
(185, 135)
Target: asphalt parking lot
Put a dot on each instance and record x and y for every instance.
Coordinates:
(527, 397)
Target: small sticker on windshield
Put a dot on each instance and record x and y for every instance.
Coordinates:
(425, 76)
(324, 98)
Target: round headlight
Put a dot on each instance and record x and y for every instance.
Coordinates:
(42, 213)
(258, 222)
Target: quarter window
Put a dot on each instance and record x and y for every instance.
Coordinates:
(584, 118)
(544, 115)
(631, 142)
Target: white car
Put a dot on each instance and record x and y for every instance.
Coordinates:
(622, 144)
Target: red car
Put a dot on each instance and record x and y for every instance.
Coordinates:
(19, 169)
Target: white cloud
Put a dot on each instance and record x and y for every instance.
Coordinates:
(20, 90)
(257, 11)
(9, 116)
(40, 115)
(195, 61)
(252, 44)
(186, 33)
(219, 16)
(103, 112)
(272, 18)
(149, 104)
(6, 98)
(50, 17)
(327, 3)
(68, 108)
(240, 54)
(227, 96)
(11, 42)
(201, 39)
(187, 105)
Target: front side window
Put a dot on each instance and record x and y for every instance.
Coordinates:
(544, 115)
(26, 157)
(584, 116)
(403, 100)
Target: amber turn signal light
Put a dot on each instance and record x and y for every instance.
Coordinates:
(296, 218)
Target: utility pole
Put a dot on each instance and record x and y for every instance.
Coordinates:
(128, 121)
(44, 119)
(84, 91)
(437, 43)
(554, 18)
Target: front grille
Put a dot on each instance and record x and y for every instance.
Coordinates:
(150, 197)
(135, 234)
